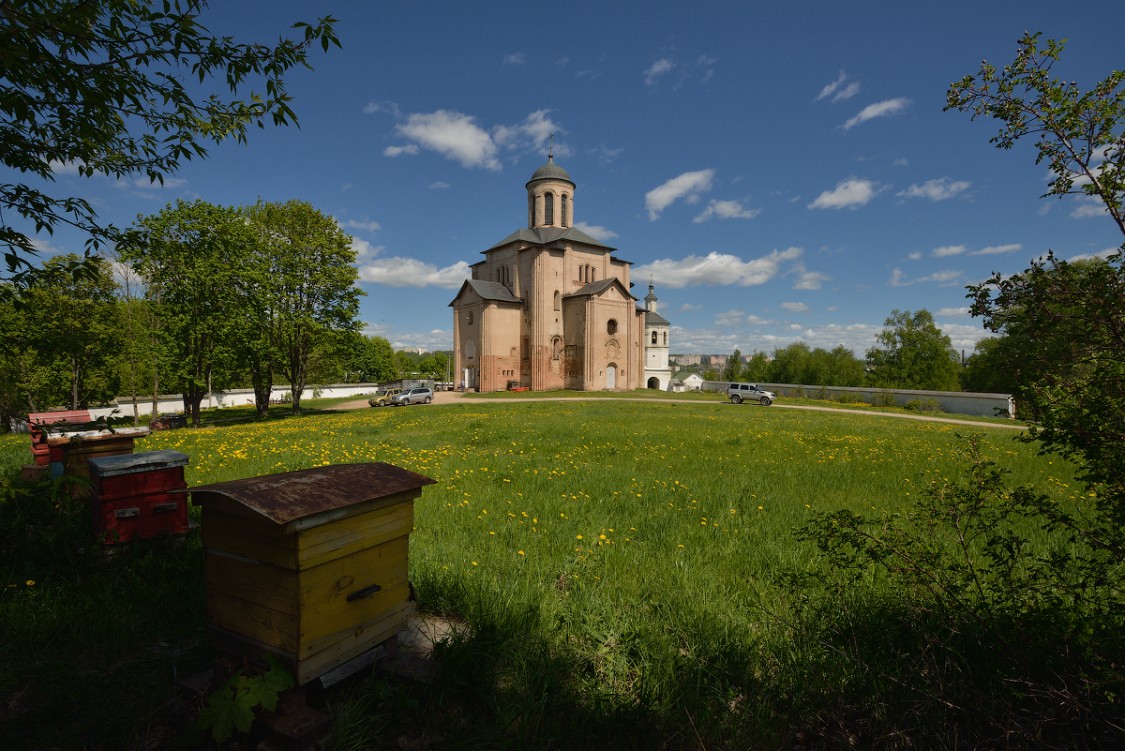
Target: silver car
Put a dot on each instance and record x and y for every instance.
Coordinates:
(749, 392)
(419, 395)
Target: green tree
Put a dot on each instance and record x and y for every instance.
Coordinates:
(1080, 133)
(757, 367)
(789, 363)
(843, 368)
(100, 85)
(912, 353)
(1067, 319)
(993, 367)
(314, 294)
(733, 369)
(190, 256)
(78, 332)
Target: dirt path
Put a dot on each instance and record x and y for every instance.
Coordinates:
(448, 397)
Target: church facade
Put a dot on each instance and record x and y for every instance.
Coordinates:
(550, 307)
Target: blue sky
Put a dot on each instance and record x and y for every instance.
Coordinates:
(780, 171)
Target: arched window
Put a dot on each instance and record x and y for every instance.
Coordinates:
(469, 317)
(565, 209)
(654, 337)
(548, 208)
(665, 338)
(611, 326)
(558, 300)
(556, 347)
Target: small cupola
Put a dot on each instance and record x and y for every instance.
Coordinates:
(550, 197)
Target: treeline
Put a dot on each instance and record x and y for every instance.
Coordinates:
(911, 352)
(200, 298)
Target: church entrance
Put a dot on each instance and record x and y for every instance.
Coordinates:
(654, 383)
(611, 376)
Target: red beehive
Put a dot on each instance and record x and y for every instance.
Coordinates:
(138, 495)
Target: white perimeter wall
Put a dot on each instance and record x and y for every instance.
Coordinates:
(956, 402)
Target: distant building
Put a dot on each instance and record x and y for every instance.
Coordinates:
(550, 307)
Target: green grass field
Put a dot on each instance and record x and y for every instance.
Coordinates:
(621, 568)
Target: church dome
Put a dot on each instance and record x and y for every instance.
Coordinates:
(550, 171)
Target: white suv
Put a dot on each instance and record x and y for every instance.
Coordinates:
(743, 392)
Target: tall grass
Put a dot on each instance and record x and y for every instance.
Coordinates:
(620, 565)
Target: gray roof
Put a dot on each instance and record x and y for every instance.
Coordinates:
(596, 288)
(550, 171)
(652, 318)
(548, 235)
(488, 291)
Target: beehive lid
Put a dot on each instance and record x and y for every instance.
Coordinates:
(309, 497)
(127, 464)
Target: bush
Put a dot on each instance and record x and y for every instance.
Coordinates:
(937, 627)
(923, 405)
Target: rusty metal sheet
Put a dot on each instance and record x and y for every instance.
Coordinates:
(290, 496)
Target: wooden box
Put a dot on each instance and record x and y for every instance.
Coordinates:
(128, 475)
(310, 566)
(74, 451)
(138, 495)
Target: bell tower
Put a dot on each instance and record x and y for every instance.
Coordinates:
(550, 197)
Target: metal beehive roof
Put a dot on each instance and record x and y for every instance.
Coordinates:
(289, 497)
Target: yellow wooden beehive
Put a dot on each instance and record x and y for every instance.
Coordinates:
(309, 566)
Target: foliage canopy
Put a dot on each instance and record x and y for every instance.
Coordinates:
(120, 88)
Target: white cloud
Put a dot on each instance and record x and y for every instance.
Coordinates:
(392, 151)
(1100, 254)
(810, 280)
(996, 250)
(725, 210)
(365, 251)
(658, 70)
(1087, 207)
(598, 233)
(848, 194)
(373, 107)
(837, 90)
(143, 183)
(947, 312)
(915, 256)
(716, 268)
(948, 250)
(795, 307)
(364, 226)
(884, 108)
(687, 307)
(63, 168)
(462, 138)
(515, 58)
(941, 189)
(729, 318)
(440, 185)
(941, 278)
(531, 134)
(410, 272)
(688, 186)
(452, 134)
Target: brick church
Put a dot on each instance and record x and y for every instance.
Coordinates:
(550, 307)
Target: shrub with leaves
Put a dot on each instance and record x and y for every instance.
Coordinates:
(938, 623)
(231, 709)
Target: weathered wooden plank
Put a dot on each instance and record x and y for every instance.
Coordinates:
(268, 626)
(263, 584)
(347, 536)
(324, 590)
